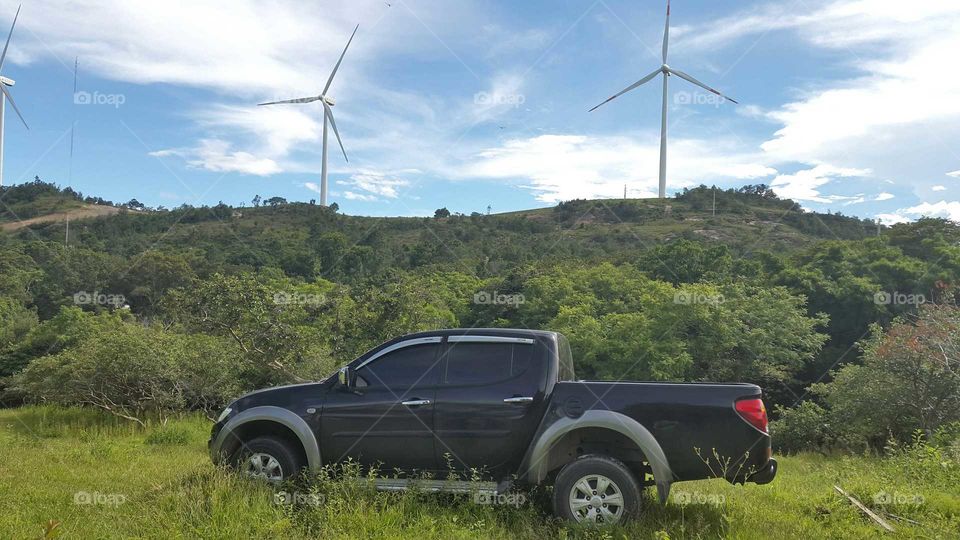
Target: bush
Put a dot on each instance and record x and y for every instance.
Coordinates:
(803, 427)
(133, 371)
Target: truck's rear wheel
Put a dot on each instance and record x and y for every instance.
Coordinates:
(267, 459)
(596, 489)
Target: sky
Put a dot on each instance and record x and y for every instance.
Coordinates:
(848, 106)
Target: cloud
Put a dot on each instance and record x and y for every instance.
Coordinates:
(884, 111)
(892, 219)
(350, 195)
(217, 155)
(374, 184)
(944, 209)
(955, 174)
(804, 185)
(562, 167)
(939, 188)
(884, 197)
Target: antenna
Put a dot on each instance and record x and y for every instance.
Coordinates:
(73, 127)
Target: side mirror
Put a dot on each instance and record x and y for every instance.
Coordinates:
(345, 376)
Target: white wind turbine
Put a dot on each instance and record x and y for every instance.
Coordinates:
(4, 83)
(328, 103)
(666, 71)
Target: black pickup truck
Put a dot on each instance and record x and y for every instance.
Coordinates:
(506, 403)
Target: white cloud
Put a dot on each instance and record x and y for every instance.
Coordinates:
(564, 167)
(804, 185)
(884, 197)
(955, 174)
(944, 209)
(939, 188)
(218, 156)
(353, 196)
(886, 113)
(375, 184)
(892, 219)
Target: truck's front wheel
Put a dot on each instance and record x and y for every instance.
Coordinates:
(268, 459)
(596, 489)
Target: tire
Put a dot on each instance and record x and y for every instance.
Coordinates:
(268, 459)
(576, 497)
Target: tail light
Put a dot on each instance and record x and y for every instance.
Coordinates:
(753, 411)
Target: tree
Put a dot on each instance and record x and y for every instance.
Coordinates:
(256, 201)
(909, 379)
(133, 371)
(276, 201)
(441, 213)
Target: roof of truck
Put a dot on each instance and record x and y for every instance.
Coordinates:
(483, 331)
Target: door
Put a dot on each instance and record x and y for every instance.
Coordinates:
(489, 403)
(386, 419)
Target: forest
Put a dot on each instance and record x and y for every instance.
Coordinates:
(851, 329)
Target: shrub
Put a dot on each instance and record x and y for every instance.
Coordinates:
(133, 371)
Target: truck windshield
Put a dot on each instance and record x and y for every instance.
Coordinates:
(566, 359)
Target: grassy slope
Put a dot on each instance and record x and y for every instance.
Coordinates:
(170, 490)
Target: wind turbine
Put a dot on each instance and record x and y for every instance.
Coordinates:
(328, 103)
(4, 83)
(666, 71)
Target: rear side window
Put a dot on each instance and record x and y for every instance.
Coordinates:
(566, 359)
(481, 363)
(403, 368)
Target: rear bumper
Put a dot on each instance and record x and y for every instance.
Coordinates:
(766, 474)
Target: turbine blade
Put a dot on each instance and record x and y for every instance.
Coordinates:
(6, 92)
(297, 100)
(683, 75)
(627, 89)
(666, 33)
(336, 67)
(329, 113)
(10, 35)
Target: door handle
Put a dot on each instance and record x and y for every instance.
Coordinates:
(518, 399)
(415, 402)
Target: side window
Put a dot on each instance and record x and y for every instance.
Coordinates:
(402, 368)
(481, 363)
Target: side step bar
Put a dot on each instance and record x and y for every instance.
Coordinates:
(446, 486)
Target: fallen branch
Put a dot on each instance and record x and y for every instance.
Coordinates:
(882, 522)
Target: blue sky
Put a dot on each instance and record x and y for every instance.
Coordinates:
(845, 105)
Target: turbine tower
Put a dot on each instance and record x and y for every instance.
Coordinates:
(328, 103)
(667, 71)
(4, 83)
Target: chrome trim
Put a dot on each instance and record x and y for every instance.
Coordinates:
(400, 345)
(415, 402)
(489, 339)
(518, 399)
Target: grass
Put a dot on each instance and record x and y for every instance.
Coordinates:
(99, 477)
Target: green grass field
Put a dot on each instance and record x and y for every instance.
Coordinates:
(100, 477)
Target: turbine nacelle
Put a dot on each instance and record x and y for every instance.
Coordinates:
(328, 100)
(7, 81)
